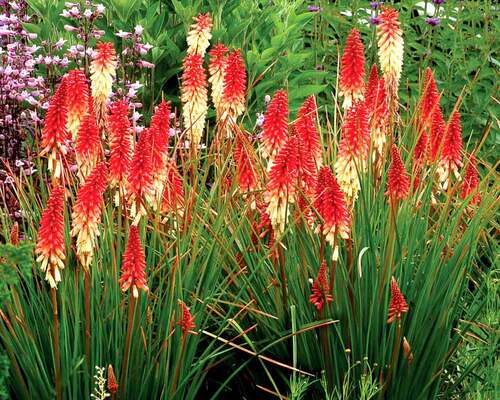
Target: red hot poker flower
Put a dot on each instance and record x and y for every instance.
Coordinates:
(305, 126)
(331, 205)
(451, 156)
(233, 94)
(186, 320)
(398, 305)
(173, 193)
(471, 182)
(275, 128)
(87, 213)
(371, 89)
(77, 100)
(216, 68)
(352, 69)
(88, 146)
(379, 120)
(398, 183)
(112, 384)
(198, 38)
(245, 167)
(55, 136)
(50, 247)
(437, 132)
(134, 264)
(320, 289)
(430, 99)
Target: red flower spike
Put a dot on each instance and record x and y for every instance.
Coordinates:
(77, 100)
(421, 149)
(134, 264)
(235, 80)
(331, 205)
(186, 320)
(86, 214)
(161, 120)
(379, 119)
(437, 132)
(320, 289)
(198, 38)
(305, 126)
(194, 97)
(451, 156)
(246, 171)
(352, 69)
(280, 190)
(112, 384)
(88, 146)
(14, 234)
(55, 136)
(471, 182)
(398, 183)
(275, 128)
(50, 248)
(216, 68)
(429, 101)
(398, 305)
(121, 145)
(371, 89)
(173, 193)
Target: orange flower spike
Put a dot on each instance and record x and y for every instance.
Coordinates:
(102, 74)
(245, 169)
(390, 51)
(280, 190)
(160, 124)
(353, 151)
(397, 305)
(451, 156)
(194, 97)
(50, 248)
(352, 69)
(471, 182)
(398, 182)
(140, 178)
(121, 147)
(320, 289)
(379, 121)
(86, 215)
(371, 89)
(430, 99)
(88, 146)
(186, 320)
(421, 149)
(198, 37)
(77, 100)
(173, 194)
(305, 126)
(275, 127)
(233, 94)
(437, 133)
(14, 234)
(55, 137)
(216, 68)
(331, 205)
(134, 264)
(112, 384)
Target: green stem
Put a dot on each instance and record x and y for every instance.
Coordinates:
(57, 354)
(130, 326)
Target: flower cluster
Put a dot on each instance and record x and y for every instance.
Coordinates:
(321, 289)
(352, 70)
(134, 264)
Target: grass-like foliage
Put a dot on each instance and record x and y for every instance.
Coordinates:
(329, 253)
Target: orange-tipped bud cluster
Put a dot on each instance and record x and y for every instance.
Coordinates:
(173, 193)
(186, 320)
(451, 155)
(121, 147)
(275, 128)
(194, 97)
(86, 214)
(321, 289)
(331, 206)
(216, 68)
(77, 100)
(352, 69)
(140, 177)
(102, 73)
(372, 89)
(281, 187)
(233, 94)
(430, 100)
(471, 182)
(305, 127)
(55, 137)
(246, 171)
(379, 121)
(397, 305)
(112, 383)
(88, 145)
(134, 264)
(50, 248)
(398, 182)
(353, 150)
(198, 37)
(436, 135)
(14, 234)
(390, 51)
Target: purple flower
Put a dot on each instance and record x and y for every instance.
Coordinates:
(100, 9)
(60, 43)
(376, 4)
(433, 21)
(145, 64)
(138, 30)
(313, 8)
(374, 20)
(87, 13)
(123, 35)
(438, 2)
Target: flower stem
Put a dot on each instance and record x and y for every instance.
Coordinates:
(178, 367)
(57, 354)
(86, 284)
(123, 375)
